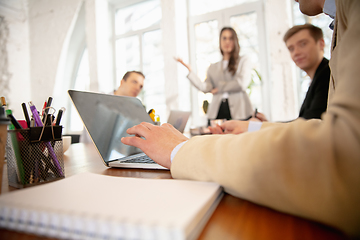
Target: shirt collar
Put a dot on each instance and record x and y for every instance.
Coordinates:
(330, 8)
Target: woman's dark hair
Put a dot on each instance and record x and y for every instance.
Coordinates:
(234, 57)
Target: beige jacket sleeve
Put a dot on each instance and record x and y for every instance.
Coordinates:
(306, 168)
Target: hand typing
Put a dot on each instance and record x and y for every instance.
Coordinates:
(158, 143)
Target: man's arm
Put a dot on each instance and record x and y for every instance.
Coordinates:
(307, 168)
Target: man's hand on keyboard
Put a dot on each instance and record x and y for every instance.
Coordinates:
(158, 143)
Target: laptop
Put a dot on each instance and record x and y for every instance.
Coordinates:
(179, 119)
(106, 118)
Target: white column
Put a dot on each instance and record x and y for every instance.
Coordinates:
(174, 35)
(91, 43)
(284, 104)
(49, 30)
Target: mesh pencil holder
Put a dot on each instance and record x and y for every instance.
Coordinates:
(34, 156)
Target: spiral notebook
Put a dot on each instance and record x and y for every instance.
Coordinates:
(93, 206)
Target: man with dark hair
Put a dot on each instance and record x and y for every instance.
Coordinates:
(131, 84)
(314, 31)
(306, 47)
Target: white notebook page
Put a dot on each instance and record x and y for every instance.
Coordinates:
(106, 206)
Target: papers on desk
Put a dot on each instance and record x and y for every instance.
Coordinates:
(92, 206)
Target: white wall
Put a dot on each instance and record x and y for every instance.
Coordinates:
(15, 57)
(49, 22)
(174, 34)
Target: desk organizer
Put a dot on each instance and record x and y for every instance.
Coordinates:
(34, 156)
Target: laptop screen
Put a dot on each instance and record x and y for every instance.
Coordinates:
(179, 119)
(106, 118)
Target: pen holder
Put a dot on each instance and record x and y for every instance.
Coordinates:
(34, 156)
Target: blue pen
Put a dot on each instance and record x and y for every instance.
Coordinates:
(48, 145)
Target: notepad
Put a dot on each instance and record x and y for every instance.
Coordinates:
(94, 206)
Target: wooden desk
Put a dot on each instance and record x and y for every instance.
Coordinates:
(234, 218)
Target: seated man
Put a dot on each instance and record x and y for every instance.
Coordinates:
(308, 168)
(130, 85)
(306, 46)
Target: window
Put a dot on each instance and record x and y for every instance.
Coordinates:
(198, 7)
(247, 20)
(248, 38)
(139, 47)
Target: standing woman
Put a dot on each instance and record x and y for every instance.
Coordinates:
(227, 80)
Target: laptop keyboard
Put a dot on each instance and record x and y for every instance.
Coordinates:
(139, 159)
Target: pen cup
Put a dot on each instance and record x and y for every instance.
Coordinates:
(34, 156)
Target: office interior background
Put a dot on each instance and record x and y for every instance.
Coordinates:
(50, 46)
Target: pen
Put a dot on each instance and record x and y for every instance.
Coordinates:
(58, 117)
(26, 114)
(255, 112)
(43, 112)
(48, 145)
(48, 103)
(14, 121)
(48, 118)
(8, 112)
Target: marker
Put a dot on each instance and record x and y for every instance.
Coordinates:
(26, 114)
(20, 172)
(58, 117)
(49, 101)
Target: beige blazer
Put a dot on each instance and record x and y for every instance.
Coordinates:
(217, 77)
(306, 168)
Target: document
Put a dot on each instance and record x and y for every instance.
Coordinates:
(94, 206)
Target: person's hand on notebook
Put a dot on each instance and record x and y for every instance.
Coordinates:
(232, 127)
(158, 143)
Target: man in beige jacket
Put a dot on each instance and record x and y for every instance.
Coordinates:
(306, 168)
